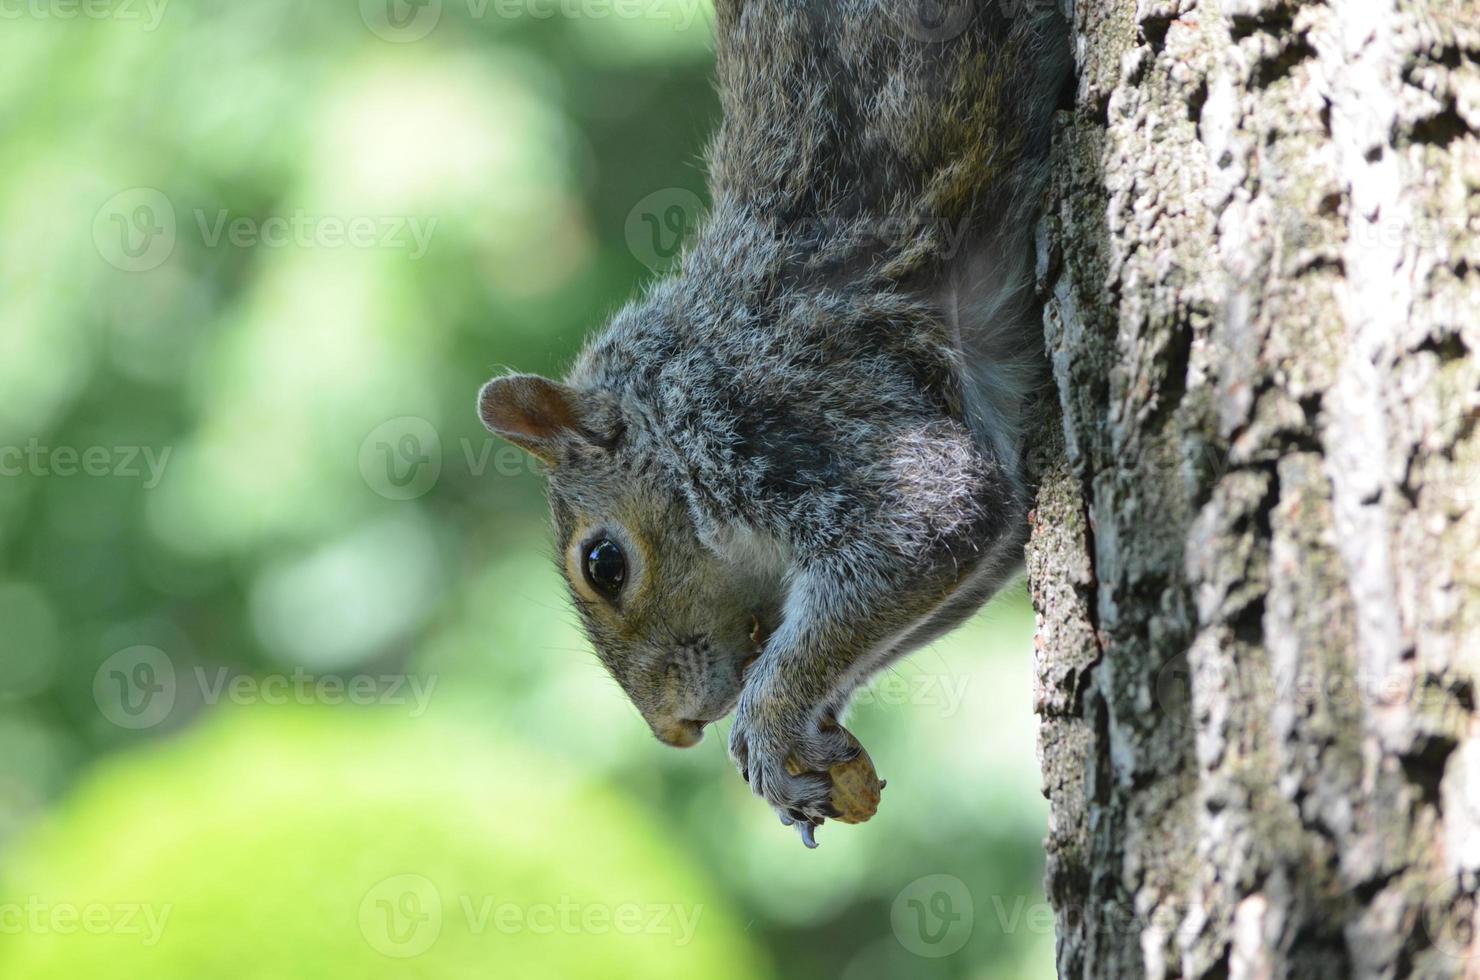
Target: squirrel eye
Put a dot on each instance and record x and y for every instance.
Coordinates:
(606, 567)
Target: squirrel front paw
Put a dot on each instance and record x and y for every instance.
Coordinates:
(784, 754)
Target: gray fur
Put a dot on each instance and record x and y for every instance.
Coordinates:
(816, 419)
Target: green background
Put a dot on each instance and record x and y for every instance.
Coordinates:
(237, 440)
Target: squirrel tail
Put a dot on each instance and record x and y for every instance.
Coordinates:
(987, 290)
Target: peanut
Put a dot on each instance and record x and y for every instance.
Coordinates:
(855, 784)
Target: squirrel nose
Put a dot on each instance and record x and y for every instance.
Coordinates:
(681, 733)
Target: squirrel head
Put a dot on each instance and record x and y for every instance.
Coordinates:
(674, 622)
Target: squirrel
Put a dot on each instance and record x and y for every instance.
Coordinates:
(799, 456)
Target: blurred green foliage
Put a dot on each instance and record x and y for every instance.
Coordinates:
(278, 844)
(258, 258)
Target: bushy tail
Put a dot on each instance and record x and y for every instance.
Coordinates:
(987, 290)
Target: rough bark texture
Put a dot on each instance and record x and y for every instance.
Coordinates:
(1256, 555)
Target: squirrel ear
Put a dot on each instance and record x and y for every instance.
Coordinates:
(534, 413)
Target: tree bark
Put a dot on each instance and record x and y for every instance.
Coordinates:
(1256, 552)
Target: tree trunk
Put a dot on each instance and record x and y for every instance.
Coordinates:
(1256, 554)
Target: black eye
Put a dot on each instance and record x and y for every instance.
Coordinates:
(606, 567)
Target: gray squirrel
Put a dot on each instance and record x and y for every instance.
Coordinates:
(799, 456)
